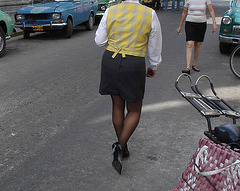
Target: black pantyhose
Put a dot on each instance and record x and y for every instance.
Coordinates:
(125, 125)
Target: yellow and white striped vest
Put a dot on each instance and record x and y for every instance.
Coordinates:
(129, 26)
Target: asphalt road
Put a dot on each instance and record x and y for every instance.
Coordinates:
(56, 131)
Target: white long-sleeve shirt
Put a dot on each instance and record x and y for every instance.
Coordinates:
(154, 46)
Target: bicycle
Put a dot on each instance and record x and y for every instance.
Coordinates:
(234, 61)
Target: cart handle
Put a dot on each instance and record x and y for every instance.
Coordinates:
(210, 82)
(190, 81)
(213, 91)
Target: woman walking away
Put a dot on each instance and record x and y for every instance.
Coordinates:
(130, 31)
(195, 28)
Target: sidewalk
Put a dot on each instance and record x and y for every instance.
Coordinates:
(17, 32)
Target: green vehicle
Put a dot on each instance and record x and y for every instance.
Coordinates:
(229, 34)
(104, 4)
(6, 29)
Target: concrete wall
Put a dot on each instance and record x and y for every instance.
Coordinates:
(11, 6)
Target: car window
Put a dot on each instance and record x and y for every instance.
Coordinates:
(44, 1)
(237, 4)
(62, 0)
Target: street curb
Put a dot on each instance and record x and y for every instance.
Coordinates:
(17, 33)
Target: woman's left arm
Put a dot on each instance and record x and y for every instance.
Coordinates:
(154, 47)
(212, 13)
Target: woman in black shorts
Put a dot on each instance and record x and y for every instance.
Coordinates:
(195, 27)
(130, 31)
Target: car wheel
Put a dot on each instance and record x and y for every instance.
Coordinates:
(26, 34)
(2, 42)
(224, 48)
(89, 24)
(97, 20)
(68, 30)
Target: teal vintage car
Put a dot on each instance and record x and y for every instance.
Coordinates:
(229, 34)
(6, 29)
(104, 4)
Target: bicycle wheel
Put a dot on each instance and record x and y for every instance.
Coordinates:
(235, 61)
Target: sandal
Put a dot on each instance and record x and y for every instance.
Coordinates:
(195, 68)
(187, 71)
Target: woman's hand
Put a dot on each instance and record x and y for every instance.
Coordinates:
(184, 14)
(214, 29)
(212, 13)
(179, 30)
(151, 73)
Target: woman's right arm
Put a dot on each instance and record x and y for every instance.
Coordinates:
(101, 35)
(184, 15)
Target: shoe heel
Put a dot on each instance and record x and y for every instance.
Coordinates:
(117, 157)
(126, 152)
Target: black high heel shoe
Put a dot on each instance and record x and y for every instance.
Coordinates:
(126, 152)
(117, 157)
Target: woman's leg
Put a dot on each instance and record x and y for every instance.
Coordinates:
(125, 126)
(131, 121)
(178, 5)
(165, 5)
(189, 50)
(197, 46)
(173, 5)
(118, 106)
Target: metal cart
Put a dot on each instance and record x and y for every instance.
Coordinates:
(211, 107)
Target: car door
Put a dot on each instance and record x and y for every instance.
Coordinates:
(88, 4)
(78, 12)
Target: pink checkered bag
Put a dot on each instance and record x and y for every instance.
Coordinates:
(212, 168)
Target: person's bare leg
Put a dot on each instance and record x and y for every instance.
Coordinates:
(197, 47)
(189, 50)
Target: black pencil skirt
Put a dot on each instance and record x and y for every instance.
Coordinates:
(195, 31)
(124, 77)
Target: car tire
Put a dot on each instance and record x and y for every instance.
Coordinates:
(224, 48)
(2, 42)
(26, 34)
(68, 30)
(97, 20)
(89, 24)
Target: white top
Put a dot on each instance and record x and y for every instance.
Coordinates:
(197, 10)
(154, 46)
